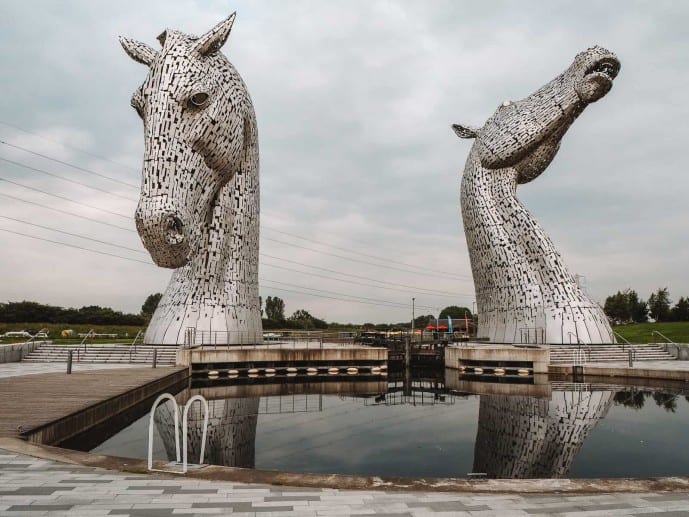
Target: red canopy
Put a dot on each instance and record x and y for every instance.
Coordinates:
(443, 327)
(430, 327)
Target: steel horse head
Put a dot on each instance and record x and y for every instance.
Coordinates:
(199, 205)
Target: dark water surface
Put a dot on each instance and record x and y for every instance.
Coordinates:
(423, 428)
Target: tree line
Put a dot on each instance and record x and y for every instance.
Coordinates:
(33, 312)
(626, 307)
(272, 313)
(300, 319)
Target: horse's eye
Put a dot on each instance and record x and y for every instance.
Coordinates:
(199, 99)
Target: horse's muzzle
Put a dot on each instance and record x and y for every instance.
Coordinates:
(164, 235)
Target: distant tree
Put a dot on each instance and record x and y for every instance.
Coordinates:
(680, 312)
(659, 304)
(306, 321)
(275, 308)
(150, 305)
(625, 306)
(640, 311)
(453, 311)
(420, 322)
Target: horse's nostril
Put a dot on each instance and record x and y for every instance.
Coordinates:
(174, 233)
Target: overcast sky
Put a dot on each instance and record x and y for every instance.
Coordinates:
(354, 101)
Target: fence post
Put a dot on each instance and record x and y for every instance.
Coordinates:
(155, 357)
(631, 360)
(69, 361)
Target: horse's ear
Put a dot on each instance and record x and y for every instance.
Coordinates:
(215, 38)
(465, 131)
(138, 51)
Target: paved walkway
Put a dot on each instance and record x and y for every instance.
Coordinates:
(31, 486)
(16, 369)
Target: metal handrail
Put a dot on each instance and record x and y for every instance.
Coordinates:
(89, 334)
(622, 338)
(133, 345)
(587, 350)
(32, 338)
(665, 338)
(185, 431)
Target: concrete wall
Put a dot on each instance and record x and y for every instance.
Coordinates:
(678, 350)
(186, 357)
(456, 355)
(15, 352)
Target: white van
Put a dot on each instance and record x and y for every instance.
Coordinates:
(17, 333)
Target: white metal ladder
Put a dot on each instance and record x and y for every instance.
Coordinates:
(185, 422)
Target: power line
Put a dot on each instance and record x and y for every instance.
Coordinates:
(398, 304)
(128, 217)
(68, 146)
(52, 174)
(74, 246)
(66, 212)
(90, 171)
(387, 304)
(396, 287)
(351, 259)
(430, 291)
(357, 252)
(74, 235)
(329, 297)
(264, 264)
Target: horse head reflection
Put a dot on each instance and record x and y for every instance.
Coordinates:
(526, 437)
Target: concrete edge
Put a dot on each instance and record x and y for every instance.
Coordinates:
(634, 372)
(347, 482)
(95, 413)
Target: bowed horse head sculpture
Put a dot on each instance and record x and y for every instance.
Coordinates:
(199, 204)
(524, 291)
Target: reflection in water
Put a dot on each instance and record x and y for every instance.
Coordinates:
(231, 439)
(427, 424)
(525, 437)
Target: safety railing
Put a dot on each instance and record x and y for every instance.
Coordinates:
(43, 333)
(581, 356)
(532, 335)
(252, 340)
(670, 341)
(132, 347)
(87, 336)
(624, 340)
(185, 431)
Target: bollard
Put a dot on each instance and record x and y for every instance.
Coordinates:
(155, 357)
(631, 361)
(69, 361)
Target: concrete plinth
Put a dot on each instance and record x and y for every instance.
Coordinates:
(265, 356)
(499, 356)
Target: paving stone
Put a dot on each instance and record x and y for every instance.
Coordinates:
(38, 507)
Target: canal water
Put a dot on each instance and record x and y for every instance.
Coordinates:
(424, 426)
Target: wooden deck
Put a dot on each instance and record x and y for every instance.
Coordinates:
(32, 402)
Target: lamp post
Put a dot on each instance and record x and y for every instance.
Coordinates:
(473, 316)
(412, 317)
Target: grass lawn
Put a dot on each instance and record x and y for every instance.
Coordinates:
(125, 333)
(677, 331)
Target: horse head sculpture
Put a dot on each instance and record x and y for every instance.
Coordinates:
(199, 204)
(524, 291)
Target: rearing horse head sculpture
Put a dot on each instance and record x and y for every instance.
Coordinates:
(524, 291)
(198, 210)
